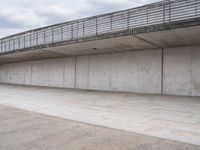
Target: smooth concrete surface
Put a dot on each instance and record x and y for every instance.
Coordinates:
(174, 37)
(69, 72)
(181, 71)
(171, 117)
(99, 72)
(195, 77)
(82, 69)
(17, 73)
(48, 72)
(24, 130)
(102, 46)
(173, 72)
(177, 71)
(137, 71)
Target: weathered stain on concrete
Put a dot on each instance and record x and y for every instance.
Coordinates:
(175, 72)
(110, 72)
(24, 130)
(170, 117)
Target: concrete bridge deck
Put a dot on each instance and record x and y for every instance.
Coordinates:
(169, 117)
(159, 25)
(148, 49)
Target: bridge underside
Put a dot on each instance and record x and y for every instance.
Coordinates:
(152, 37)
(162, 59)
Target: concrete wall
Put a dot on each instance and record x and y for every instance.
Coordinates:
(48, 72)
(136, 71)
(99, 72)
(82, 69)
(18, 73)
(195, 77)
(4, 73)
(182, 71)
(54, 72)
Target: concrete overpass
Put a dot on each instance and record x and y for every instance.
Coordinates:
(148, 49)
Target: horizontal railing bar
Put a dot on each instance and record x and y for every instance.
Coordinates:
(160, 12)
(87, 18)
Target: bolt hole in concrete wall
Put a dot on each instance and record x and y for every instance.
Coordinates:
(136, 71)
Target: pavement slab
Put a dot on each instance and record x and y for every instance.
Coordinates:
(34, 131)
(175, 118)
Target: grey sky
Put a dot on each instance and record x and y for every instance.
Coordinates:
(20, 15)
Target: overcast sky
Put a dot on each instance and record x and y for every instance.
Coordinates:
(21, 15)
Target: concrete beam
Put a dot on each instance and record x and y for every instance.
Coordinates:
(173, 34)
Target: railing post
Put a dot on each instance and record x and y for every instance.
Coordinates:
(9, 44)
(1, 46)
(128, 21)
(196, 7)
(52, 35)
(83, 28)
(44, 36)
(164, 13)
(96, 26)
(24, 42)
(72, 36)
(4, 47)
(30, 40)
(14, 44)
(19, 43)
(169, 12)
(147, 15)
(37, 39)
(111, 22)
(61, 33)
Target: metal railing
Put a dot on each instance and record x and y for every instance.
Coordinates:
(156, 13)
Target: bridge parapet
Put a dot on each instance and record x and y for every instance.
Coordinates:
(126, 20)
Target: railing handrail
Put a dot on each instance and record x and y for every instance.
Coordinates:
(165, 11)
(84, 19)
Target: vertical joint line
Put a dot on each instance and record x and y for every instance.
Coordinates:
(75, 66)
(162, 70)
(96, 26)
(88, 70)
(191, 55)
(110, 72)
(31, 82)
(64, 65)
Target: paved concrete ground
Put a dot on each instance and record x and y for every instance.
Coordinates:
(23, 130)
(170, 117)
